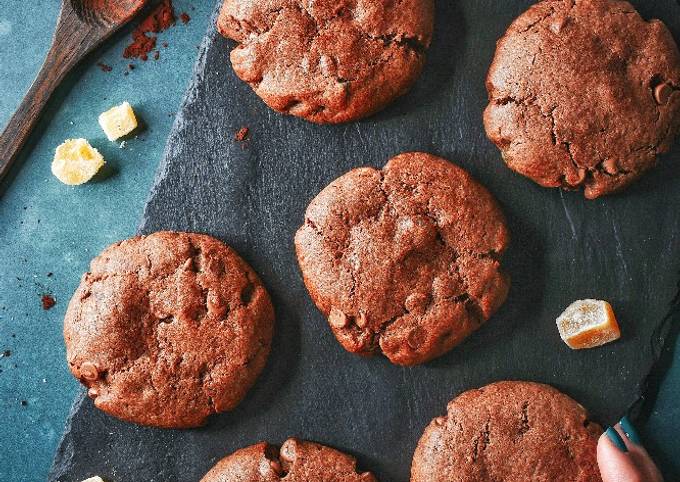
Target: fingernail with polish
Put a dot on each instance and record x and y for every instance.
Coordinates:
(630, 431)
(616, 439)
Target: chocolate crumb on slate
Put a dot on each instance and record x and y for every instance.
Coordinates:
(242, 134)
(104, 67)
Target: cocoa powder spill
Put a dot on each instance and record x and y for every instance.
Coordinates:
(143, 39)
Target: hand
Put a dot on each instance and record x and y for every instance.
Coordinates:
(622, 458)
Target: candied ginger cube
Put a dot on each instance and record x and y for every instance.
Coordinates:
(76, 162)
(587, 324)
(118, 121)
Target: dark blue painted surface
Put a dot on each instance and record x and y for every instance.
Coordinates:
(46, 227)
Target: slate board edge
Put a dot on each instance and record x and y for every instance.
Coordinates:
(663, 343)
(189, 98)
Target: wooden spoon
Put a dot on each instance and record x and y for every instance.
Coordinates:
(82, 26)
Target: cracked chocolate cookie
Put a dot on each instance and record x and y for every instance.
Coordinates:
(584, 93)
(168, 329)
(404, 260)
(296, 461)
(328, 61)
(510, 432)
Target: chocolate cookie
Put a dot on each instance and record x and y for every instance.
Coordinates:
(509, 432)
(584, 93)
(296, 461)
(328, 61)
(404, 260)
(168, 329)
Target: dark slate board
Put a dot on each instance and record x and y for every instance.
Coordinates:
(622, 248)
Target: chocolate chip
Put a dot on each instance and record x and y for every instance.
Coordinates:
(417, 303)
(275, 466)
(440, 421)
(361, 320)
(558, 24)
(288, 450)
(662, 93)
(338, 319)
(610, 166)
(88, 371)
(576, 178)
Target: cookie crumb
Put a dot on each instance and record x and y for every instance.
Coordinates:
(242, 134)
(184, 17)
(48, 301)
(104, 67)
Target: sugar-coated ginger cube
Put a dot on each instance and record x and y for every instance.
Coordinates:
(587, 324)
(118, 121)
(76, 162)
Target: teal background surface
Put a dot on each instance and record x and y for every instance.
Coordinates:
(49, 232)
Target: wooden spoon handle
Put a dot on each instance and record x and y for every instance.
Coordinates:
(72, 40)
